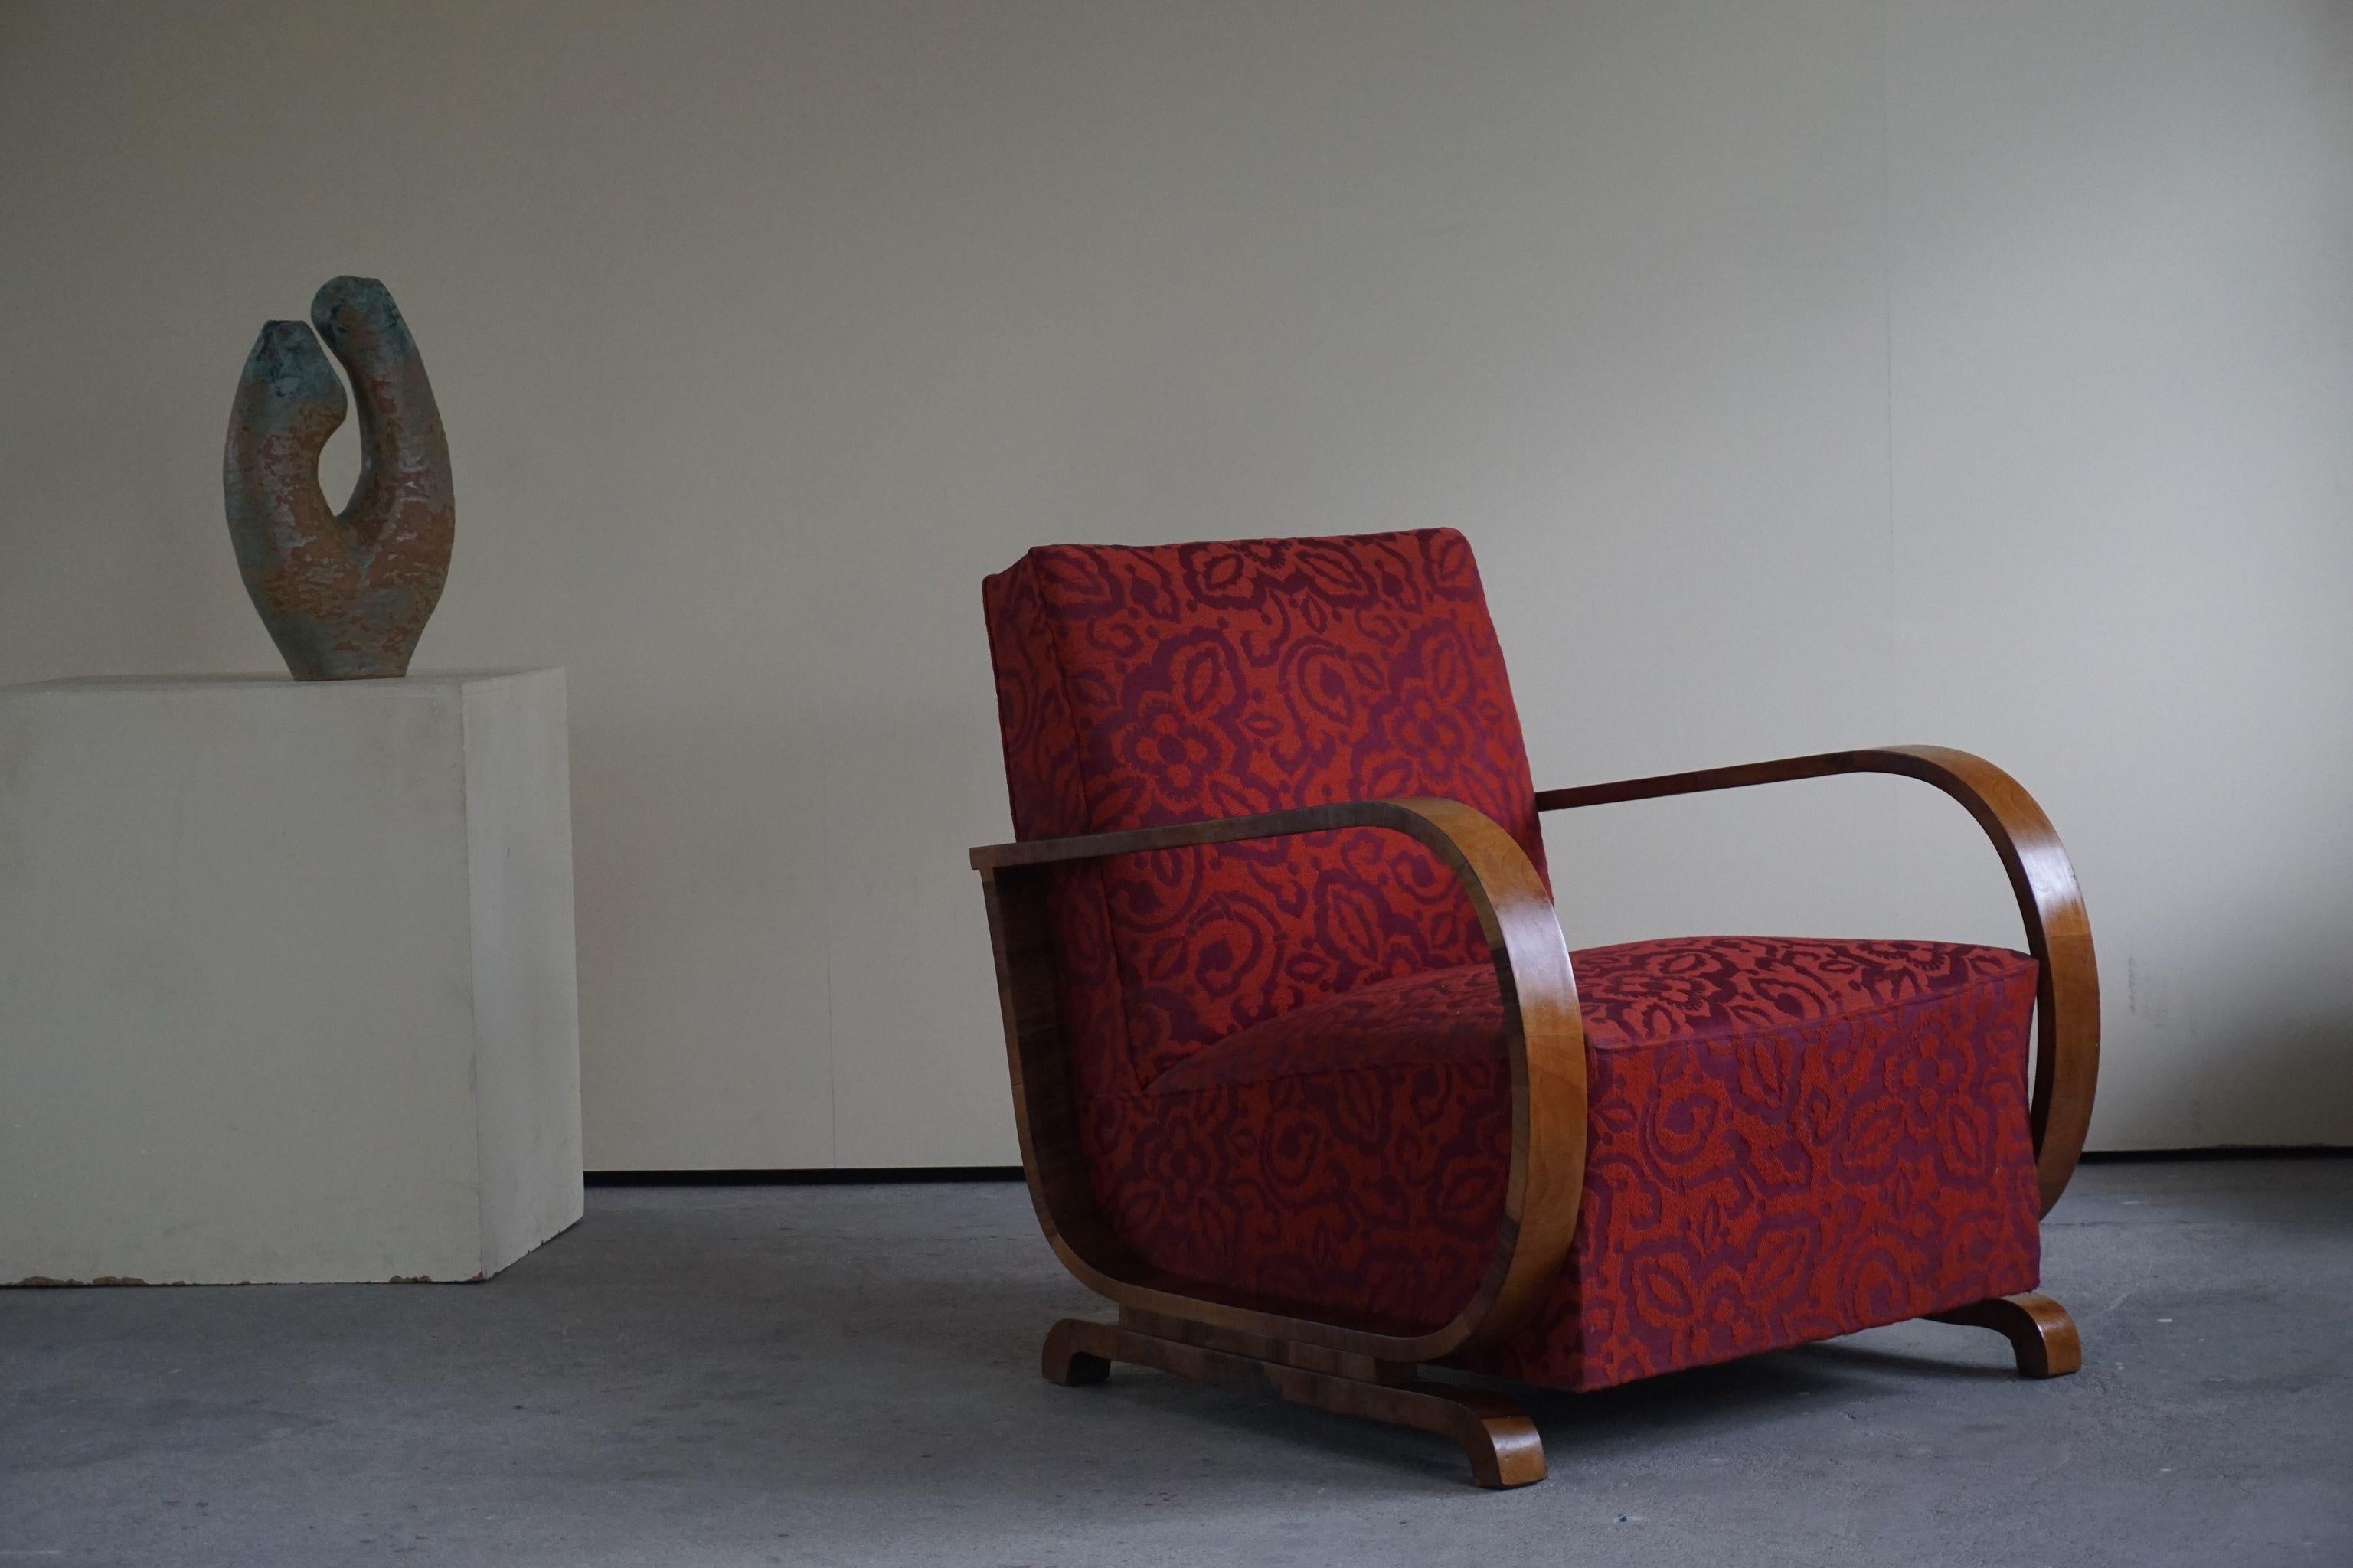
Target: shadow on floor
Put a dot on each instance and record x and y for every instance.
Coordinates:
(1009, 1324)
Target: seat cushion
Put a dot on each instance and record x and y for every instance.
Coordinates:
(1789, 1139)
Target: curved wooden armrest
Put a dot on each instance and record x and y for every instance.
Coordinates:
(1547, 1056)
(2058, 932)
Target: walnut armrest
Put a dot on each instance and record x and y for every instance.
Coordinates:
(1546, 1045)
(2058, 932)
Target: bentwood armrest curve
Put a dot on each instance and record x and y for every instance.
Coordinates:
(2058, 931)
(1547, 1044)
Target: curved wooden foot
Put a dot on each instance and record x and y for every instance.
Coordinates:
(2037, 1326)
(1493, 1434)
(1064, 1363)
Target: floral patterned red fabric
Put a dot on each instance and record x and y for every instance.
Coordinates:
(1788, 1140)
(1143, 686)
(1760, 1186)
(1290, 1055)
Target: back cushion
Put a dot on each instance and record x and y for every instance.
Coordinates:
(1142, 686)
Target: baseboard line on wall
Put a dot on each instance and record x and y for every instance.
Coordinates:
(2219, 1152)
(859, 1175)
(854, 1176)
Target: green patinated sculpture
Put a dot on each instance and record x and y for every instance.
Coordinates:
(345, 595)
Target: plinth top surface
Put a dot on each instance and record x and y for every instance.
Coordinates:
(430, 679)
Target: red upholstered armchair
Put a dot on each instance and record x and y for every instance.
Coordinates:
(1310, 1087)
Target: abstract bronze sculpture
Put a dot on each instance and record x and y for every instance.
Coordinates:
(346, 596)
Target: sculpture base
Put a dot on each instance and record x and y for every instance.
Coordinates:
(287, 987)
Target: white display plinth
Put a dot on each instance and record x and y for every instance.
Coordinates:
(287, 984)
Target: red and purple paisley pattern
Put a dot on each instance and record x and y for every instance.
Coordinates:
(1291, 1055)
(1144, 687)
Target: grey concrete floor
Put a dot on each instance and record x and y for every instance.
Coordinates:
(836, 1374)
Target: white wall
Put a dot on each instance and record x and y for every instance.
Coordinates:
(1808, 375)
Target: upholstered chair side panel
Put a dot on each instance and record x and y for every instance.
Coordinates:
(1865, 1163)
(1049, 799)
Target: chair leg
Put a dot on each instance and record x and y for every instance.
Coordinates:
(2037, 1326)
(1065, 1362)
(1494, 1435)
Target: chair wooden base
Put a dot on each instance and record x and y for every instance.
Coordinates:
(2037, 1326)
(1494, 1435)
